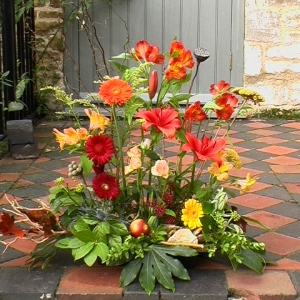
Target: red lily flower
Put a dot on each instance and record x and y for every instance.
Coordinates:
(219, 88)
(228, 103)
(163, 120)
(204, 149)
(147, 52)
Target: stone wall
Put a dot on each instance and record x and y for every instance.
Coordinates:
(272, 50)
(49, 43)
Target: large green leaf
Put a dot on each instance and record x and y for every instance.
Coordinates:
(15, 106)
(163, 274)
(63, 243)
(252, 260)
(159, 264)
(75, 243)
(130, 272)
(132, 107)
(87, 165)
(147, 277)
(102, 250)
(85, 235)
(117, 227)
(91, 257)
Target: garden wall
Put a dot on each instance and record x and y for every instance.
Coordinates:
(272, 50)
(49, 42)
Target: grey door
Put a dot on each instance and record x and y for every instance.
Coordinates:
(217, 25)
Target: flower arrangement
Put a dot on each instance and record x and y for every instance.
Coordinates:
(136, 205)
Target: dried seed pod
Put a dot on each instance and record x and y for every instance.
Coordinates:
(201, 54)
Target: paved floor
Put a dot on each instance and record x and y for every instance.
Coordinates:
(269, 149)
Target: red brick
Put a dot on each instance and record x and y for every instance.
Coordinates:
(5, 197)
(278, 150)
(272, 285)
(293, 188)
(242, 173)
(23, 261)
(270, 220)
(269, 140)
(254, 201)
(285, 264)
(25, 246)
(10, 177)
(264, 132)
(283, 160)
(279, 243)
(90, 283)
(294, 125)
(282, 169)
(257, 124)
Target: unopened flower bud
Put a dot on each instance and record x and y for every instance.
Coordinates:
(145, 144)
(153, 83)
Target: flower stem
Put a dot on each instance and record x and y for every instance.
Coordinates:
(120, 146)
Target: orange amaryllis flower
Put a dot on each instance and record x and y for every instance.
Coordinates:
(153, 84)
(195, 113)
(227, 103)
(97, 120)
(204, 149)
(150, 53)
(220, 88)
(70, 136)
(115, 91)
(162, 119)
(178, 53)
(175, 70)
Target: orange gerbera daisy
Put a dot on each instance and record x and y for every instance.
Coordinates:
(115, 91)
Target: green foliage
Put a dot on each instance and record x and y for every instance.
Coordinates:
(157, 264)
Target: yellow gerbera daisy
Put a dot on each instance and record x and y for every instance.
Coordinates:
(192, 213)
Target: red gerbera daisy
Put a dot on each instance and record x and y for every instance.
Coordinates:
(115, 91)
(106, 186)
(99, 149)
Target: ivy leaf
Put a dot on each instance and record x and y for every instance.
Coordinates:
(252, 260)
(87, 165)
(130, 271)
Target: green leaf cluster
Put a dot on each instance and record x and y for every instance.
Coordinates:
(158, 264)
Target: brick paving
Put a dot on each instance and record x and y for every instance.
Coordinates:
(269, 149)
